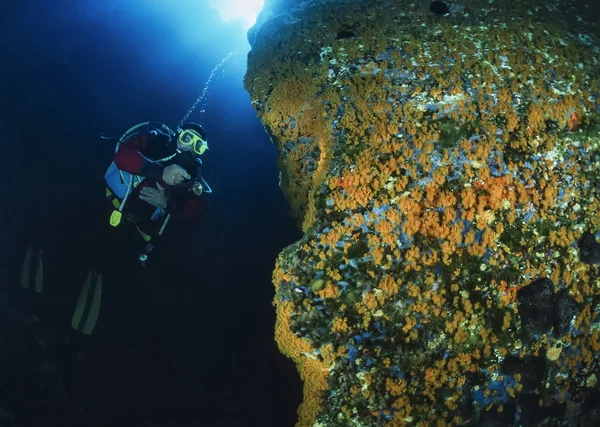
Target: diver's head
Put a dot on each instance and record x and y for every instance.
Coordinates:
(192, 138)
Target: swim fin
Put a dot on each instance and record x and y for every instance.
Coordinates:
(32, 273)
(88, 304)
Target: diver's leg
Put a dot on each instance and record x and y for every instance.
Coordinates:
(101, 249)
(32, 271)
(87, 309)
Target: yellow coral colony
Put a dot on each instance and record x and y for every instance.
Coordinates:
(445, 170)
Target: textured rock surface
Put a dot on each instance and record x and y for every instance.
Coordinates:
(445, 171)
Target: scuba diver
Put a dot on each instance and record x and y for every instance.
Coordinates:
(155, 177)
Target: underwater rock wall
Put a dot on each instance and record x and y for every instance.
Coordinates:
(443, 161)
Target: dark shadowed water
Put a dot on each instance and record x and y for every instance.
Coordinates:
(188, 340)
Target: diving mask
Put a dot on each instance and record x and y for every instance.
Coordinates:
(189, 137)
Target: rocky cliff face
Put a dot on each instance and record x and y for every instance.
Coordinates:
(442, 160)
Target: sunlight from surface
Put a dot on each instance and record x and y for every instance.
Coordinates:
(243, 11)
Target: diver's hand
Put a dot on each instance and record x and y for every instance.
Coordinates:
(156, 197)
(174, 174)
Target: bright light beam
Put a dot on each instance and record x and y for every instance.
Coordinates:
(244, 11)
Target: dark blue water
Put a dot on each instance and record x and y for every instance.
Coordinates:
(188, 340)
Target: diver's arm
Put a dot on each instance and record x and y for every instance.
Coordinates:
(183, 202)
(130, 158)
(181, 192)
(185, 190)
